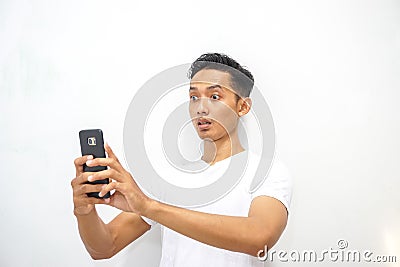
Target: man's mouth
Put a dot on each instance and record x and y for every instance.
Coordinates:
(203, 123)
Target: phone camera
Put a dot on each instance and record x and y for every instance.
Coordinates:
(92, 141)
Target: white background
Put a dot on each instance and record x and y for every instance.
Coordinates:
(330, 71)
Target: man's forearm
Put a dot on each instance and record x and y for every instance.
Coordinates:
(95, 235)
(241, 234)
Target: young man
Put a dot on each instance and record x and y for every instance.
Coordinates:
(228, 232)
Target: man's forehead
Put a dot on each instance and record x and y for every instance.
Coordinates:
(212, 77)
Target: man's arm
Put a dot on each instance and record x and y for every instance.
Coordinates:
(264, 225)
(103, 241)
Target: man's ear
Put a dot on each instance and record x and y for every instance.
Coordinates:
(244, 105)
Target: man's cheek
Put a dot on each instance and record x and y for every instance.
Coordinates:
(227, 120)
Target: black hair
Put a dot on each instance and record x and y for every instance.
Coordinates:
(242, 80)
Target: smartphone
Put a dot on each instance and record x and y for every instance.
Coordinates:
(92, 143)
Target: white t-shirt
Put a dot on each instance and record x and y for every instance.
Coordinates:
(181, 251)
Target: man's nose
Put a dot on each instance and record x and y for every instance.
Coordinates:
(202, 107)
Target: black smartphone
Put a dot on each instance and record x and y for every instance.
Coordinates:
(92, 143)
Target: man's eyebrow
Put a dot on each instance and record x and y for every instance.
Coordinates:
(211, 87)
(214, 86)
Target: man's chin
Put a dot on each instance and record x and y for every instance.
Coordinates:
(205, 136)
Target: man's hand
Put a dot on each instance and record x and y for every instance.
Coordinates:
(127, 196)
(101, 240)
(82, 203)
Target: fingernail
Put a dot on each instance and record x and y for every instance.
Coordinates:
(89, 162)
(89, 157)
(100, 195)
(90, 178)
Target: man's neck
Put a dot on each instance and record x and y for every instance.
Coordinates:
(221, 149)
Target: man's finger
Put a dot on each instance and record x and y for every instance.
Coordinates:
(81, 178)
(108, 187)
(78, 162)
(111, 162)
(93, 200)
(88, 188)
(110, 152)
(109, 173)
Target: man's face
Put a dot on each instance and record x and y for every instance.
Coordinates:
(213, 104)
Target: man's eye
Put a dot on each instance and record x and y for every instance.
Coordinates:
(193, 98)
(215, 96)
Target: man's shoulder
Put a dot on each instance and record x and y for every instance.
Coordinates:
(277, 183)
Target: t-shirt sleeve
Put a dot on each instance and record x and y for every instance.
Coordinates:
(278, 184)
(148, 221)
